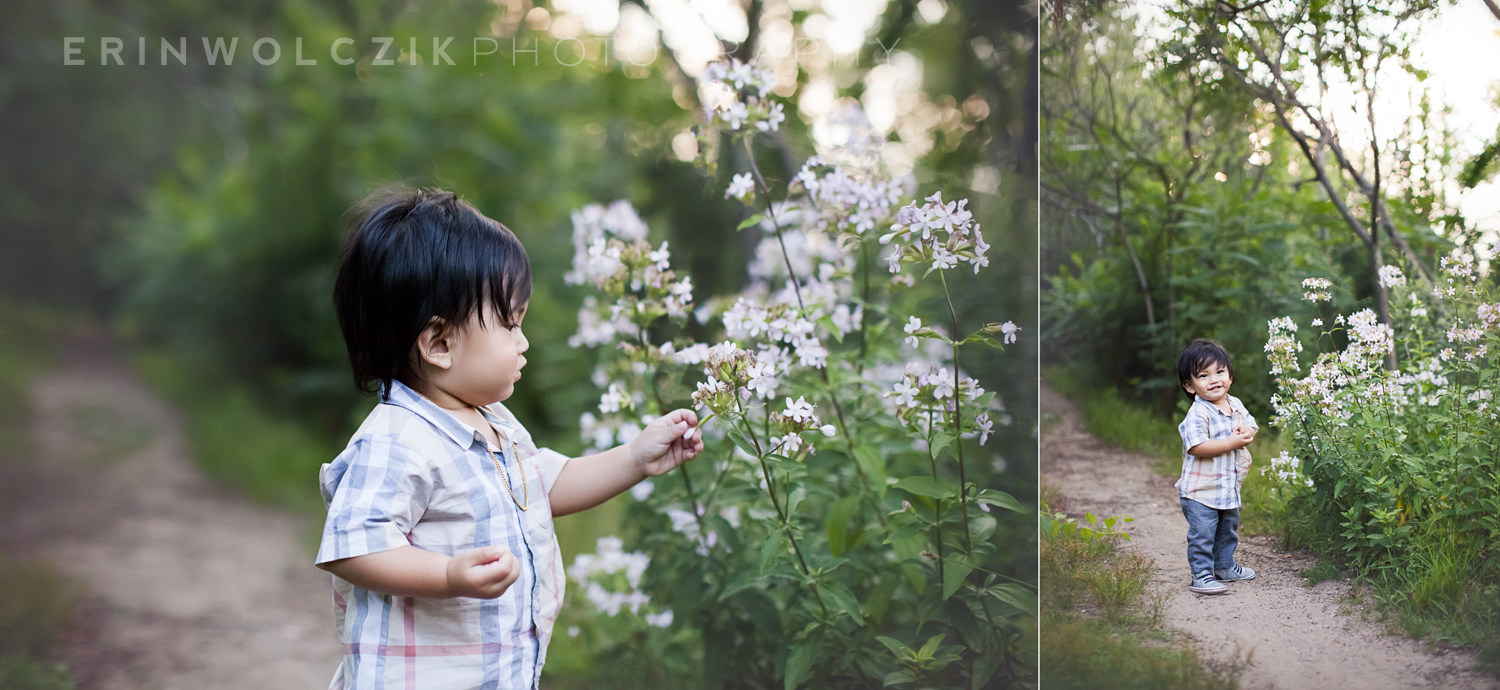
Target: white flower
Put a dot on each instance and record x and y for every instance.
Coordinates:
(895, 259)
(1390, 276)
(829, 430)
(1317, 322)
(786, 445)
(736, 115)
(1009, 329)
(1418, 311)
(800, 411)
(906, 394)
(613, 399)
(761, 382)
(943, 383)
(912, 326)
(942, 258)
(642, 491)
(774, 118)
(985, 426)
(660, 620)
(739, 186)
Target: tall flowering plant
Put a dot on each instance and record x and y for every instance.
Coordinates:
(830, 535)
(1397, 456)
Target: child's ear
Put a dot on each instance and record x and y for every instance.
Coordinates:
(434, 345)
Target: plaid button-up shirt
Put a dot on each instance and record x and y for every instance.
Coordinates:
(414, 474)
(1214, 482)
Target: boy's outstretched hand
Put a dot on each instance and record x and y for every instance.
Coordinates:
(482, 573)
(667, 442)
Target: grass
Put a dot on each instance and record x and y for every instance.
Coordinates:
(1102, 624)
(235, 441)
(36, 602)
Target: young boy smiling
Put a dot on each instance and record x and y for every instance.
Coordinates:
(1215, 434)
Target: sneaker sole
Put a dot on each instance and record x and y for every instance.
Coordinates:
(1220, 590)
(1235, 579)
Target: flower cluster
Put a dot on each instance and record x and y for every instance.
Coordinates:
(737, 106)
(1283, 346)
(1391, 276)
(611, 253)
(1286, 469)
(776, 324)
(849, 200)
(603, 574)
(1460, 275)
(916, 235)
(734, 375)
(1317, 290)
(791, 422)
(687, 524)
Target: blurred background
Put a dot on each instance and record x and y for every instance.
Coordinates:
(169, 236)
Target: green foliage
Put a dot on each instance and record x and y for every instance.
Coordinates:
(1170, 184)
(1392, 471)
(36, 604)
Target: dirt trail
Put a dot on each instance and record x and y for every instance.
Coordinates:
(1300, 637)
(185, 585)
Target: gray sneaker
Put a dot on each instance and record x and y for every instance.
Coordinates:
(1238, 572)
(1204, 583)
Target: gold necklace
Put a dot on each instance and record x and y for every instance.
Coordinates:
(525, 487)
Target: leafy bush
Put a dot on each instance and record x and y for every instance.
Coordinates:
(1393, 454)
(844, 542)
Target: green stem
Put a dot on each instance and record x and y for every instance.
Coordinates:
(958, 419)
(838, 409)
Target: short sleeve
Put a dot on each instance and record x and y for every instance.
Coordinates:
(551, 463)
(376, 492)
(1193, 429)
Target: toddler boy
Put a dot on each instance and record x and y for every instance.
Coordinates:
(1215, 435)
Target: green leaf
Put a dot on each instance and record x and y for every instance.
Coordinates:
(1017, 596)
(827, 324)
(798, 495)
(896, 646)
(1000, 499)
(769, 550)
(955, 572)
(840, 598)
(870, 461)
(752, 220)
(985, 666)
(983, 527)
(798, 663)
(838, 523)
(928, 649)
(926, 486)
(899, 677)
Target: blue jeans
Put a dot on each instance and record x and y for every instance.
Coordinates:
(1211, 536)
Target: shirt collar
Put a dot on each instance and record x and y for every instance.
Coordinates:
(1215, 408)
(462, 434)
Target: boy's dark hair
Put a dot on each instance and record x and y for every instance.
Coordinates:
(1197, 356)
(412, 256)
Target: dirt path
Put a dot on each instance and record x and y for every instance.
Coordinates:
(186, 585)
(1299, 636)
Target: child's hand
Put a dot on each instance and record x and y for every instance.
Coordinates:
(667, 442)
(483, 573)
(1244, 435)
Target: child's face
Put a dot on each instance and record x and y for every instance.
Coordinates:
(486, 360)
(1210, 383)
